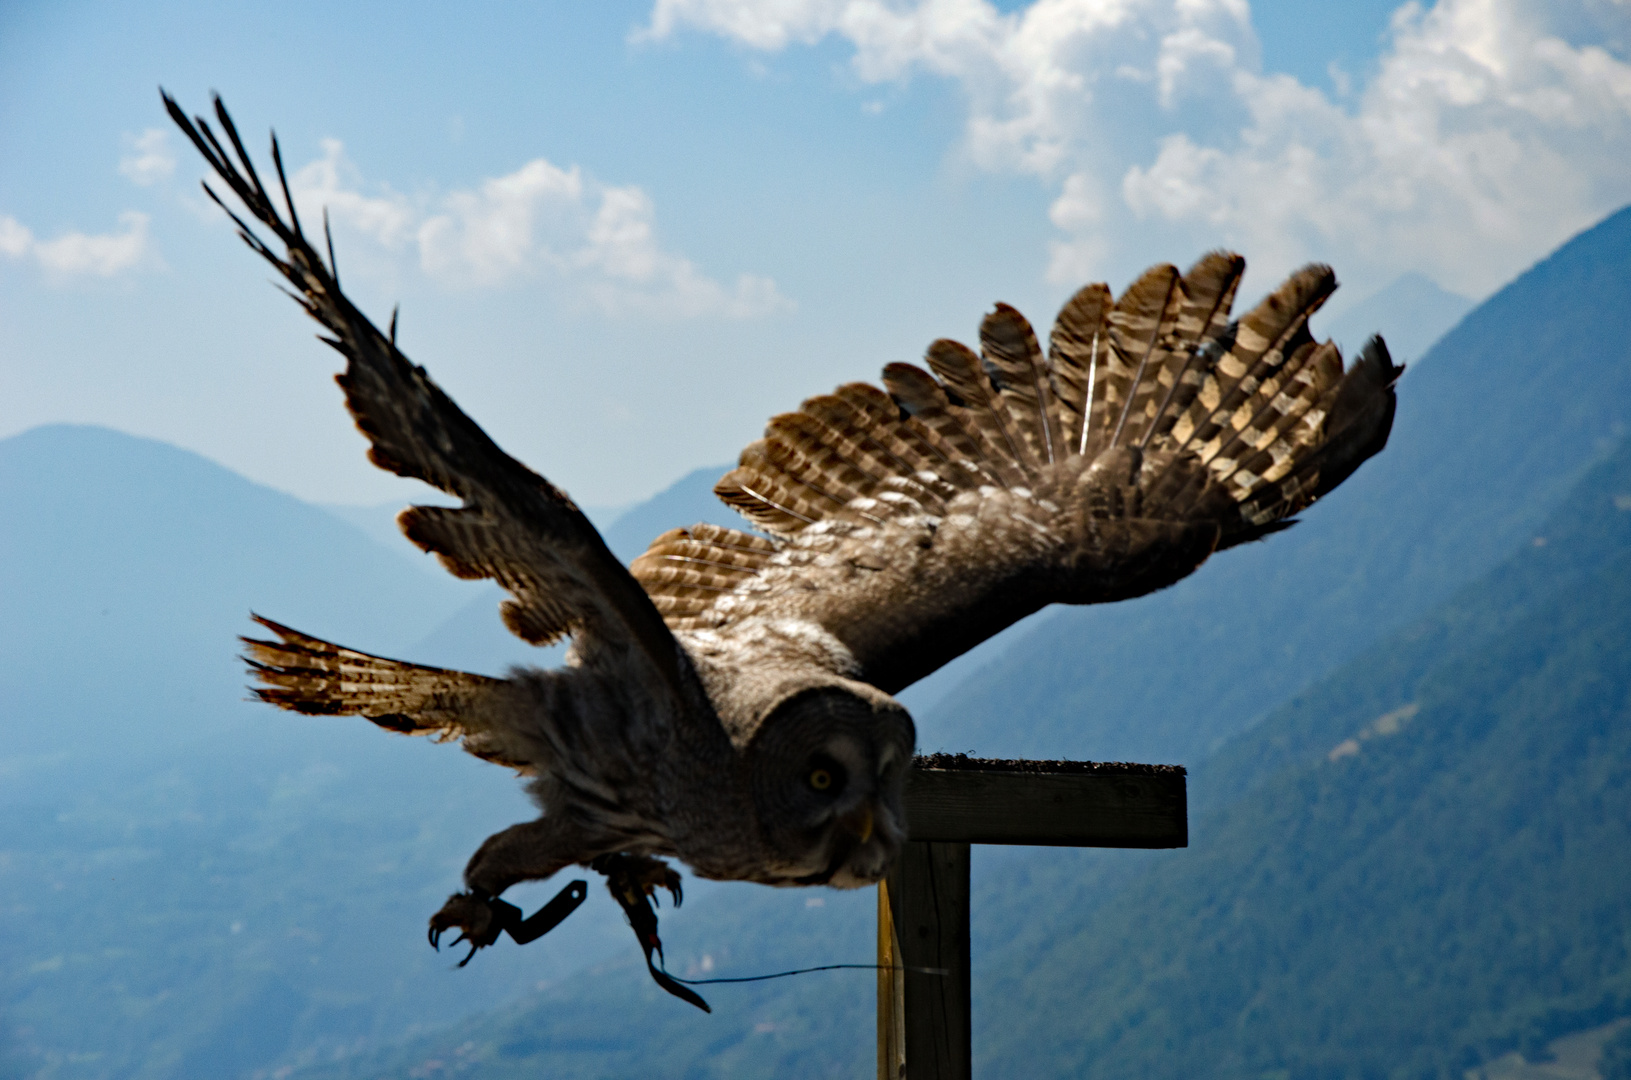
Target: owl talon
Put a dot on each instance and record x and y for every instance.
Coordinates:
(481, 919)
(633, 881)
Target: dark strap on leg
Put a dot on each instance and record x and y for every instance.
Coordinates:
(631, 895)
(547, 917)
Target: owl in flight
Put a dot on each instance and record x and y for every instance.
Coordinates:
(726, 700)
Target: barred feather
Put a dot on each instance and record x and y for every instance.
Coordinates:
(1259, 347)
(757, 489)
(1015, 366)
(1155, 417)
(975, 402)
(308, 675)
(1204, 297)
(1073, 352)
(926, 402)
(1137, 323)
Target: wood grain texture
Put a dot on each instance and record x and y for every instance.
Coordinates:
(1130, 809)
(891, 993)
(927, 909)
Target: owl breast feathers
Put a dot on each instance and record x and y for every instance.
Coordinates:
(727, 697)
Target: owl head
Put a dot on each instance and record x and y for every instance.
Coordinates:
(827, 770)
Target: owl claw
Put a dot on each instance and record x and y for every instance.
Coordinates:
(481, 919)
(646, 873)
(633, 881)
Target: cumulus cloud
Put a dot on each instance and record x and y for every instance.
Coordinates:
(593, 242)
(77, 254)
(148, 159)
(1490, 130)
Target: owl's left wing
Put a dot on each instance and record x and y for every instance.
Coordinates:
(515, 526)
(905, 525)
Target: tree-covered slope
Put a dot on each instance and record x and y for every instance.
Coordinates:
(1418, 865)
(1494, 425)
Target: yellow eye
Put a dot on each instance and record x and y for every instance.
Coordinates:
(821, 779)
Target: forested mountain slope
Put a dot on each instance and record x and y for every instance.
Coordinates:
(1416, 866)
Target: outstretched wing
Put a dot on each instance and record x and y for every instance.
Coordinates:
(316, 677)
(911, 523)
(514, 527)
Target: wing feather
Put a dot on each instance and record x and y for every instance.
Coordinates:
(1073, 357)
(308, 675)
(1015, 365)
(912, 522)
(974, 401)
(514, 526)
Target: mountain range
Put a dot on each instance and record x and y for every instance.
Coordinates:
(207, 889)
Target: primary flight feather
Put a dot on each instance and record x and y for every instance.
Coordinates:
(726, 700)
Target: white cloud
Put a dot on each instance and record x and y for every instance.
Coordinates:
(592, 242)
(332, 183)
(15, 239)
(622, 247)
(1491, 130)
(77, 254)
(149, 160)
(1482, 142)
(508, 224)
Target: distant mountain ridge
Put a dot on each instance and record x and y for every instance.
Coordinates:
(1411, 313)
(122, 555)
(198, 883)
(229, 891)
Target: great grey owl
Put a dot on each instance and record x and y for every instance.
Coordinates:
(726, 700)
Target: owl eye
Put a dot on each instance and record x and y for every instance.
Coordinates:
(820, 779)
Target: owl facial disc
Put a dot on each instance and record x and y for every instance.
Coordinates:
(828, 771)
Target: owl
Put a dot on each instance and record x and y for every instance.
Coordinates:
(726, 700)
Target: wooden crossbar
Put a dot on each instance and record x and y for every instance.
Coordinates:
(952, 801)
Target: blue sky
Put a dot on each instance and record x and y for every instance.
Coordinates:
(624, 234)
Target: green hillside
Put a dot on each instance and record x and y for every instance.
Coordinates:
(1424, 863)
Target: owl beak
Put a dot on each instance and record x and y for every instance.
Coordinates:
(859, 822)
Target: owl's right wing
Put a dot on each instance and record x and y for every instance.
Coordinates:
(514, 526)
(905, 525)
(308, 675)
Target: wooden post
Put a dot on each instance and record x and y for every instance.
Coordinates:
(891, 993)
(925, 901)
(924, 1020)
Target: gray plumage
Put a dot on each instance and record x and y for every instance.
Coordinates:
(726, 698)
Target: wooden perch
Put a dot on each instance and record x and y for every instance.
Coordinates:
(952, 802)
